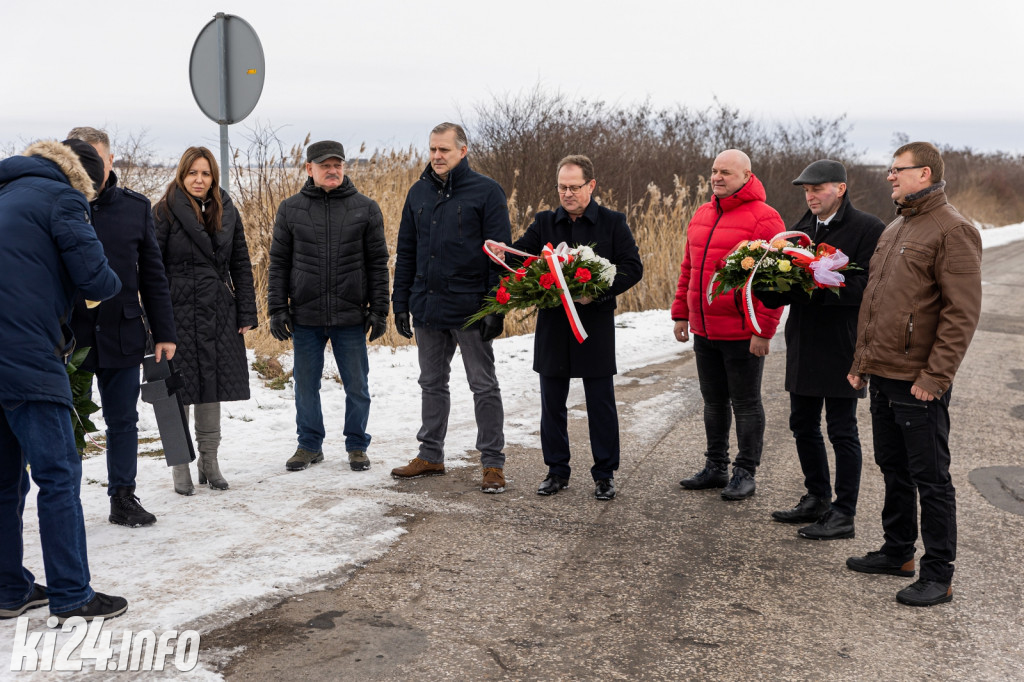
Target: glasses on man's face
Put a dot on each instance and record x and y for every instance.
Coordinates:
(571, 189)
(895, 170)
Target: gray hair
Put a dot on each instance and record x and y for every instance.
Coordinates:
(460, 133)
(90, 135)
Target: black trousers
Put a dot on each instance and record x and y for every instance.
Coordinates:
(911, 440)
(730, 383)
(602, 418)
(841, 425)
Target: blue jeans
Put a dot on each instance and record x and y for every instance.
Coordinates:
(436, 348)
(730, 382)
(119, 396)
(40, 434)
(349, 345)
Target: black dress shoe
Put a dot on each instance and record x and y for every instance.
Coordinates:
(925, 593)
(552, 484)
(741, 486)
(809, 509)
(713, 475)
(876, 562)
(833, 525)
(604, 489)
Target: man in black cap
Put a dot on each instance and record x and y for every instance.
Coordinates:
(328, 279)
(820, 336)
(115, 331)
(50, 253)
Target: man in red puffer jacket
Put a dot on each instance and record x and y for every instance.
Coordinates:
(730, 357)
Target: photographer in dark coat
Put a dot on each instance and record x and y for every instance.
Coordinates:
(820, 337)
(49, 251)
(557, 355)
(328, 280)
(115, 330)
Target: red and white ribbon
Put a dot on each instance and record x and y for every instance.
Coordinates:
(748, 290)
(554, 256)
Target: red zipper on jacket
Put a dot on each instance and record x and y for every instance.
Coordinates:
(703, 262)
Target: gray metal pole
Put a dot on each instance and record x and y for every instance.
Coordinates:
(222, 59)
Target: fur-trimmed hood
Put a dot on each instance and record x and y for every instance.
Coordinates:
(67, 161)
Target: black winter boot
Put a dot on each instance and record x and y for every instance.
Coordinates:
(713, 475)
(126, 510)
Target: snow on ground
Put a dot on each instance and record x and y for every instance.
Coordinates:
(217, 556)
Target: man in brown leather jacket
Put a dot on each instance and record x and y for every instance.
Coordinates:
(919, 313)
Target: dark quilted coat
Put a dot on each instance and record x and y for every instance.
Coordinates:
(329, 257)
(212, 293)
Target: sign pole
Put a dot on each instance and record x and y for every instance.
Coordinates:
(222, 59)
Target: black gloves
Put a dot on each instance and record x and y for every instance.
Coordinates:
(403, 324)
(376, 325)
(492, 326)
(281, 326)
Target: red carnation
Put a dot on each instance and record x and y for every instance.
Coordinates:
(520, 274)
(502, 296)
(582, 275)
(546, 280)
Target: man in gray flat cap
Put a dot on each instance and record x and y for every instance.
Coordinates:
(328, 279)
(820, 337)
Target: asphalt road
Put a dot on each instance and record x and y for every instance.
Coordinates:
(667, 584)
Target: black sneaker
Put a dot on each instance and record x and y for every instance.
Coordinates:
(126, 510)
(833, 525)
(741, 486)
(604, 489)
(35, 599)
(809, 509)
(552, 484)
(925, 593)
(876, 562)
(713, 475)
(101, 606)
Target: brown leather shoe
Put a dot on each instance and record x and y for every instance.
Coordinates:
(494, 480)
(419, 467)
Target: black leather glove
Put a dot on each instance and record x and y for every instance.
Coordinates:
(376, 325)
(281, 326)
(492, 326)
(403, 324)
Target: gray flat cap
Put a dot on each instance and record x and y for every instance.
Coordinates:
(821, 172)
(318, 152)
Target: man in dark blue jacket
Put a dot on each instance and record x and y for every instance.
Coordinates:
(50, 251)
(820, 336)
(441, 277)
(115, 331)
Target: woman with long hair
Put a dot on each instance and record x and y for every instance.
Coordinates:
(207, 263)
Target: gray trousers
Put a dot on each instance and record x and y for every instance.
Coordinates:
(436, 349)
(207, 427)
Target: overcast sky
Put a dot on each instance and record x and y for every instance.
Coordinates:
(384, 72)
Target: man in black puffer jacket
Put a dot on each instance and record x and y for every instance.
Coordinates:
(328, 279)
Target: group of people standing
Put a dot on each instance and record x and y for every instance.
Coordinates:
(176, 281)
(897, 331)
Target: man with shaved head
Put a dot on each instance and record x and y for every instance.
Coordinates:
(730, 357)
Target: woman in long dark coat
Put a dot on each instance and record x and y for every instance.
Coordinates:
(207, 263)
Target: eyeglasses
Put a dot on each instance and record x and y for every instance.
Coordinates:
(571, 189)
(895, 170)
